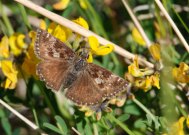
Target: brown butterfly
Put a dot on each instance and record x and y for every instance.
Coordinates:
(62, 68)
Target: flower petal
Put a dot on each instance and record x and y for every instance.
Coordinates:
(137, 37)
(104, 50)
(4, 47)
(93, 43)
(81, 21)
(155, 51)
(61, 4)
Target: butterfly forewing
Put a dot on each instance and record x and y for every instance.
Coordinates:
(56, 58)
(49, 47)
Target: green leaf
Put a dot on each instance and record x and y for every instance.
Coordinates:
(88, 129)
(132, 109)
(157, 125)
(149, 119)
(140, 124)
(2, 114)
(6, 125)
(61, 124)
(52, 127)
(123, 117)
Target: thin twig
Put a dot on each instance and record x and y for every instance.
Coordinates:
(28, 122)
(137, 24)
(172, 24)
(75, 130)
(78, 29)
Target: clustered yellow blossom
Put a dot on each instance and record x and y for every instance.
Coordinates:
(143, 78)
(181, 74)
(10, 46)
(30, 60)
(9, 70)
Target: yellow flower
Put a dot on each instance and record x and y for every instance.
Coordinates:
(30, 61)
(4, 47)
(147, 82)
(62, 4)
(181, 74)
(155, 51)
(17, 44)
(42, 24)
(96, 49)
(155, 80)
(187, 121)
(10, 72)
(83, 4)
(135, 71)
(137, 37)
(177, 128)
(81, 21)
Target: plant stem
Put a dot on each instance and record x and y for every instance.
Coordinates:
(35, 116)
(6, 20)
(24, 15)
(46, 99)
(123, 126)
(28, 122)
(144, 108)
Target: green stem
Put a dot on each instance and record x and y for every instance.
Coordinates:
(180, 19)
(46, 98)
(123, 126)
(97, 19)
(144, 109)
(95, 129)
(6, 20)
(35, 117)
(24, 15)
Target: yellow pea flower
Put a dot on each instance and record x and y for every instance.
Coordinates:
(4, 47)
(155, 51)
(83, 4)
(155, 80)
(30, 61)
(137, 37)
(135, 71)
(178, 128)
(187, 121)
(10, 72)
(17, 43)
(81, 21)
(181, 73)
(147, 82)
(42, 24)
(62, 4)
(96, 49)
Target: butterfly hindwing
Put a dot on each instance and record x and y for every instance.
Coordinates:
(95, 84)
(53, 73)
(83, 91)
(107, 82)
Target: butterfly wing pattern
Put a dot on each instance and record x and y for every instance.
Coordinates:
(56, 59)
(61, 68)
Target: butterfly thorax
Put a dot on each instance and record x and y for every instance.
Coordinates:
(79, 65)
